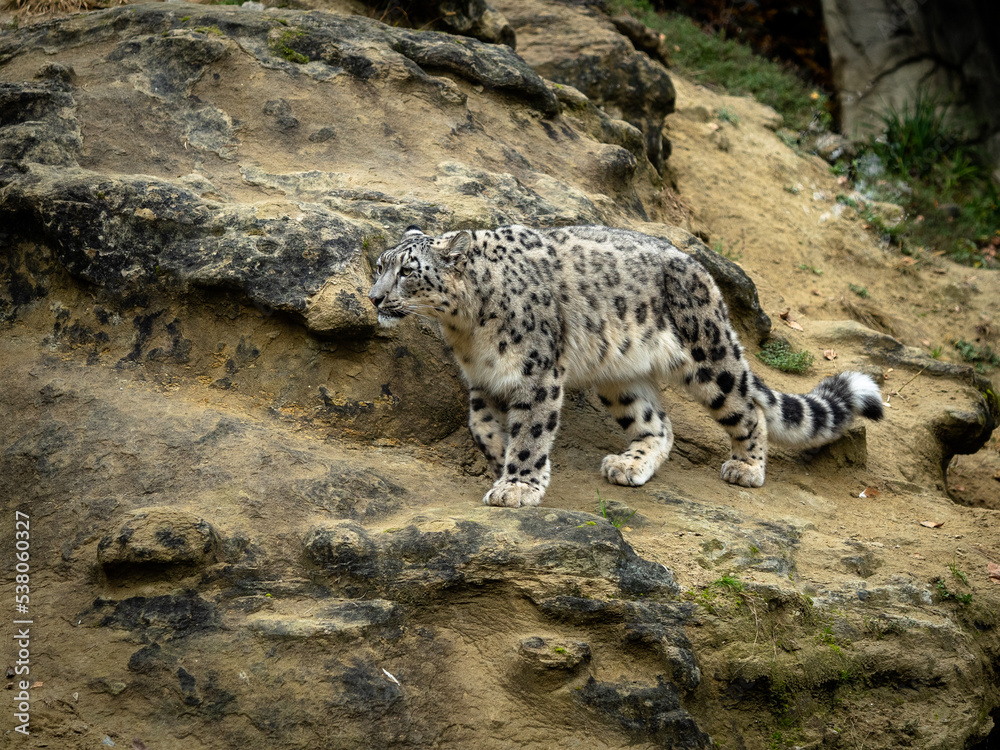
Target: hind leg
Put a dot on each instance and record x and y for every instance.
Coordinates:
(748, 464)
(723, 387)
(637, 408)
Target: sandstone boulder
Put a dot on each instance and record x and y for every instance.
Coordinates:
(579, 46)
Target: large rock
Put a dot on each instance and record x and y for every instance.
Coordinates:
(157, 538)
(578, 45)
(474, 18)
(885, 54)
(252, 179)
(256, 183)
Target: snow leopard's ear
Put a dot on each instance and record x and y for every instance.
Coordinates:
(457, 248)
(412, 229)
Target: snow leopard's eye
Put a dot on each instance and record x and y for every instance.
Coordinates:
(406, 271)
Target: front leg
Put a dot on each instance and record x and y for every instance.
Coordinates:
(532, 422)
(488, 425)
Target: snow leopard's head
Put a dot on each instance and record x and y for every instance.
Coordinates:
(418, 275)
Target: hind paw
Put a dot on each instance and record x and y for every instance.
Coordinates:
(513, 495)
(742, 473)
(627, 470)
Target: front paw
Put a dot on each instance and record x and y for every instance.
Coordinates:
(513, 495)
(742, 473)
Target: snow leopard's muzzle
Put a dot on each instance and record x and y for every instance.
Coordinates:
(389, 314)
(387, 304)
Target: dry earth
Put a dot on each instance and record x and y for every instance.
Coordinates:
(241, 537)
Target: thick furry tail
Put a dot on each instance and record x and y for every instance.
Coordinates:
(822, 415)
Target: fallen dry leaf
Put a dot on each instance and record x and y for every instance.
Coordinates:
(926, 342)
(830, 354)
(959, 488)
(994, 571)
(918, 556)
(789, 320)
(869, 492)
(932, 524)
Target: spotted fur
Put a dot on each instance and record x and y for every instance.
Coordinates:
(529, 313)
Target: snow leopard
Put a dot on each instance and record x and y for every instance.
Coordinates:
(528, 313)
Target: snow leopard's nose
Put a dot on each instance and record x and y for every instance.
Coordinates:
(375, 300)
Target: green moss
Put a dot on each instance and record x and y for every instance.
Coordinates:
(208, 30)
(780, 355)
(370, 241)
(281, 47)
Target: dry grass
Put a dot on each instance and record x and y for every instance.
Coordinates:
(46, 7)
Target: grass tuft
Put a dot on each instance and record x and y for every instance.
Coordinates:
(734, 67)
(926, 164)
(730, 582)
(916, 137)
(615, 519)
(981, 357)
(780, 355)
